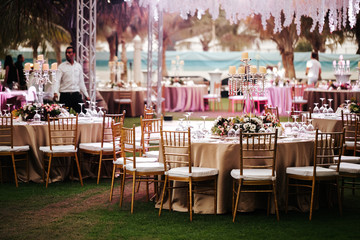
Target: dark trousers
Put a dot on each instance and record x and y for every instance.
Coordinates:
(71, 100)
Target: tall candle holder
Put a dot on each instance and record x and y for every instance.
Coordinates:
(116, 69)
(177, 66)
(41, 75)
(247, 82)
(342, 70)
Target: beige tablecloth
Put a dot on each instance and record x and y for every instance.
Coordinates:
(225, 157)
(137, 97)
(36, 136)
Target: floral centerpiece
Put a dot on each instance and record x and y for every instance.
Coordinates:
(248, 123)
(271, 119)
(27, 111)
(354, 107)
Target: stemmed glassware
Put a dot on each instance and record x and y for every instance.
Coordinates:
(9, 108)
(88, 113)
(5, 112)
(310, 127)
(330, 110)
(325, 111)
(347, 110)
(204, 127)
(81, 114)
(231, 133)
(37, 117)
(188, 118)
(262, 129)
(322, 105)
(295, 125)
(181, 125)
(316, 108)
(100, 112)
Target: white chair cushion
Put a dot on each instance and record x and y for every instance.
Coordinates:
(120, 161)
(209, 96)
(152, 154)
(237, 97)
(348, 168)
(253, 174)
(107, 146)
(349, 159)
(15, 148)
(300, 101)
(195, 172)
(308, 171)
(59, 149)
(146, 167)
(123, 100)
(137, 145)
(349, 143)
(257, 98)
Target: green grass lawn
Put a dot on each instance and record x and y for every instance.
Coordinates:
(68, 211)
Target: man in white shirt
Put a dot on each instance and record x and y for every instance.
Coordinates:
(70, 82)
(313, 69)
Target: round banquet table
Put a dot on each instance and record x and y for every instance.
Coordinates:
(280, 97)
(36, 135)
(137, 97)
(185, 98)
(313, 95)
(225, 157)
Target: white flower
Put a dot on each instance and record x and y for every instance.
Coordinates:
(253, 127)
(246, 126)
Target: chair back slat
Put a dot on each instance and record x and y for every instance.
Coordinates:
(62, 131)
(150, 132)
(328, 145)
(148, 112)
(128, 145)
(258, 150)
(176, 149)
(116, 128)
(6, 131)
(349, 122)
(272, 110)
(108, 120)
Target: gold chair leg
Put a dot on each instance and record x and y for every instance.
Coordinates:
(27, 167)
(237, 200)
(215, 196)
(48, 173)
(14, 167)
(99, 170)
(287, 194)
(275, 201)
(162, 196)
(79, 171)
(122, 188)
(133, 192)
(190, 198)
(312, 199)
(112, 182)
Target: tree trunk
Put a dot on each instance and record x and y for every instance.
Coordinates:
(124, 60)
(57, 50)
(288, 63)
(111, 41)
(164, 69)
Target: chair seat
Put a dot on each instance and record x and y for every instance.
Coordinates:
(349, 143)
(15, 148)
(123, 100)
(146, 167)
(107, 147)
(348, 168)
(59, 149)
(120, 161)
(253, 174)
(137, 145)
(309, 171)
(237, 98)
(152, 154)
(348, 159)
(300, 101)
(211, 96)
(196, 172)
(258, 98)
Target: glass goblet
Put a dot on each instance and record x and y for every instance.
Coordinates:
(310, 127)
(330, 110)
(231, 133)
(325, 110)
(322, 105)
(316, 108)
(81, 114)
(37, 117)
(100, 113)
(9, 107)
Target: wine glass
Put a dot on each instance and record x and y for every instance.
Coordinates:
(262, 129)
(88, 113)
(316, 108)
(231, 133)
(268, 128)
(204, 118)
(37, 117)
(9, 107)
(310, 127)
(347, 106)
(325, 110)
(5, 112)
(181, 125)
(237, 133)
(189, 115)
(322, 105)
(100, 113)
(81, 114)
(330, 110)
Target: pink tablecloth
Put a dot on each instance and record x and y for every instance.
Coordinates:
(280, 97)
(184, 98)
(5, 95)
